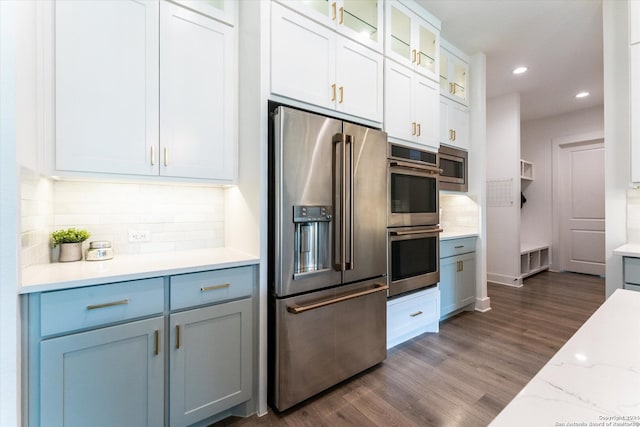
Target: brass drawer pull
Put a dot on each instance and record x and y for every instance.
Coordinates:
(108, 304)
(214, 287)
(157, 337)
(417, 313)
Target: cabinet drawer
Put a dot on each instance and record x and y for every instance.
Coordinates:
(632, 270)
(411, 315)
(92, 306)
(188, 290)
(632, 287)
(457, 246)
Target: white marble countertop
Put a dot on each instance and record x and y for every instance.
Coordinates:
(457, 234)
(629, 249)
(593, 380)
(63, 275)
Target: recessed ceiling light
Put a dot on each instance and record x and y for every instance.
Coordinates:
(582, 94)
(519, 70)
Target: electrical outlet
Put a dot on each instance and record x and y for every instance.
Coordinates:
(139, 236)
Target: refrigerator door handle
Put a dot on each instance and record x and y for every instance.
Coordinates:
(297, 309)
(349, 263)
(339, 190)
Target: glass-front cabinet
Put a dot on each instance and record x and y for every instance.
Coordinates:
(360, 20)
(412, 40)
(454, 74)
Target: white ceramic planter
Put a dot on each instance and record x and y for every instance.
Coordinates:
(70, 252)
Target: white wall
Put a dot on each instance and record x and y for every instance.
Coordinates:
(478, 169)
(247, 230)
(503, 165)
(616, 134)
(9, 331)
(536, 221)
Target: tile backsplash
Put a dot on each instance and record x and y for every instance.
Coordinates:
(36, 207)
(174, 217)
(633, 215)
(458, 212)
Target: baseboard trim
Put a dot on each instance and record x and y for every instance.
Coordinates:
(501, 279)
(483, 304)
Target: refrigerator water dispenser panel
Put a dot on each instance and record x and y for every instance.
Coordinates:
(312, 239)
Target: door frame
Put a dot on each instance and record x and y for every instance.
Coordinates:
(557, 144)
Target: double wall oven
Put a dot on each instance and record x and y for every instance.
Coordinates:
(413, 241)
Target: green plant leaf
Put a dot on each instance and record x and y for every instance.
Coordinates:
(70, 235)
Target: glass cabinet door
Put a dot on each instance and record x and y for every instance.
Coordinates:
(362, 17)
(400, 33)
(411, 39)
(360, 20)
(459, 76)
(454, 78)
(426, 49)
(444, 73)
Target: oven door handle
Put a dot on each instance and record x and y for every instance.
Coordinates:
(408, 165)
(413, 232)
(297, 309)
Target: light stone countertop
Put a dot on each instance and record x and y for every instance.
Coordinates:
(593, 380)
(629, 249)
(448, 234)
(64, 275)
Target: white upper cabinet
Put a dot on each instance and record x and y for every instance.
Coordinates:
(359, 20)
(144, 88)
(411, 106)
(313, 64)
(411, 39)
(197, 95)
(635, 112)
(302, 58)
(454, 75)
(359, 74)
(106, 86)
(634, 75)
(454, 124)
(634, 21)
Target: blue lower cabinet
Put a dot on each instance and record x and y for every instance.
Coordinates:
(101, 355)
(457, 275)
(112, 376)
(209, 361)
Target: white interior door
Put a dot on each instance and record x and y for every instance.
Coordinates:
(582, 242)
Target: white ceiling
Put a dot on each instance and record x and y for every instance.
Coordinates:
(560, 41)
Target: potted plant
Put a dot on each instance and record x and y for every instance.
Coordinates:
(70, 241)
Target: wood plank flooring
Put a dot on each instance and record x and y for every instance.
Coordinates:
(464, 375)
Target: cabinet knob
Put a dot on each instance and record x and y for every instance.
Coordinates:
(419, 133)
(341, 16)
(413, 128)
(341, 94)
(333, 8)
(153, 156)
(333, 91)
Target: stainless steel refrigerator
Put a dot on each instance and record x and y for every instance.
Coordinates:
(328, 253)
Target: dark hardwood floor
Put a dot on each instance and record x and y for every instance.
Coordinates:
(464, 375)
